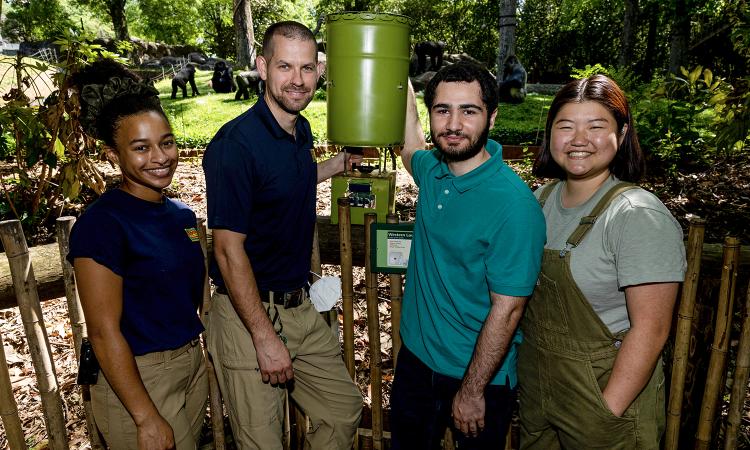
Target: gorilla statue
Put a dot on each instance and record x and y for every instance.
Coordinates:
(433, 50)
(222, 81)
(512, 88)
(182, 78)
(248, 82)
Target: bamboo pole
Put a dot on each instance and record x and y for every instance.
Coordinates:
(373, 331)
(739, 385)
(347, 281)
(720, 345)
(63, 226)
(8, 406)
(682, 339)
(397, 295)
(287, 426)
(214, 395)
(17, 252)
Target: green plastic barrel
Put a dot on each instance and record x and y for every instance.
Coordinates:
(368, 68)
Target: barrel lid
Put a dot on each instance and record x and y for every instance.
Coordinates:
(369, 16)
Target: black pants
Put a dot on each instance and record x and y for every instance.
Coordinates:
(421, 405)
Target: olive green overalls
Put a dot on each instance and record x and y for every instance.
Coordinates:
(566, 359)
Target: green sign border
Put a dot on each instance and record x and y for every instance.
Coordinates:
(379, 238)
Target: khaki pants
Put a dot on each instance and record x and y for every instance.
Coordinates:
(321, 387)
(177, 384)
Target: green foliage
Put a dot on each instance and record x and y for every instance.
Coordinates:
(465, 26)
(677, 119)
(216, 22)
(625, 78)
(546, 30)
(588, 71)
(34, 20)
(47, 141)
(170, 21)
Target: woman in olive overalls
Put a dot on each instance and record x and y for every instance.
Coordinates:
(589, 369)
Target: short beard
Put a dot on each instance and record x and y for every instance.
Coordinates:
(467, 153)
(291, 108)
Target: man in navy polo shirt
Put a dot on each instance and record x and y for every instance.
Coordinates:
(263, 333)
(476, 254)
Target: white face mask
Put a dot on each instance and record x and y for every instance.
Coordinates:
(325, 292)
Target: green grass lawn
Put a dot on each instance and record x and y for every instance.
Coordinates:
(195, 120)
(522, 123)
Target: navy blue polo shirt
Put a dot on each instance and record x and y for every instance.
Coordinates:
(154, 247)
(261, 182)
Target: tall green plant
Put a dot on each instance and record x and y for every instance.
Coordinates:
(677, 119)
(49, 148)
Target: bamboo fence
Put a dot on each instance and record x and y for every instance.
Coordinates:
(77, 322)
(23, 278)
(397, 295)
(739, 384)
(347, 282)
(682, 340)
(720, 346)
(17, 252)
(8, 407)
(214, 396)
(373, 332)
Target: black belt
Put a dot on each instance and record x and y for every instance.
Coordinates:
(290, 299)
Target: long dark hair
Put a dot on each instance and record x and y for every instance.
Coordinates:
(109, 92)
(628, 163)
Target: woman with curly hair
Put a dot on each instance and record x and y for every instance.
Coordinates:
(139, 269)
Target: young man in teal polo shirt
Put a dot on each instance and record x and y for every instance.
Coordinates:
(476, 254)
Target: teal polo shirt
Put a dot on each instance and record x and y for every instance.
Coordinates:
(478, 233)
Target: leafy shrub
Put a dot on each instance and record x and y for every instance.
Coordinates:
(47, 142)
(677, 119)
(625, 78)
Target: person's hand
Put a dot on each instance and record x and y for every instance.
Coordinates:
(615, 408)
(350, 159)
(274, 361)
(468, 412)
(154, 433)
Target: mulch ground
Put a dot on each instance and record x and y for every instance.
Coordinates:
(720, 194)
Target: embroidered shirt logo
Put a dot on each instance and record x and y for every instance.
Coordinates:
(192, 233)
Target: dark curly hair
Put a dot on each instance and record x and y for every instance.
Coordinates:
(628, 163)
(109, 92)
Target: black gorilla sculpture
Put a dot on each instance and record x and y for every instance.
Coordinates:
(182, 78)
(248, 82)
(222, 81)
(512, 88)
(433, 49)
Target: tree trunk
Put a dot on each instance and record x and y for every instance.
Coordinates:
(653, 15)
(507, 45)
(243, 30)
(629, 26)
(119, 21)
(680, 37)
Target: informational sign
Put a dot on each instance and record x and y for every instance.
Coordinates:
(390, 244)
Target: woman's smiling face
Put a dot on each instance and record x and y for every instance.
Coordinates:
(585, 139)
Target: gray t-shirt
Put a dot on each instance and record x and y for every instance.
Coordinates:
(634, 241)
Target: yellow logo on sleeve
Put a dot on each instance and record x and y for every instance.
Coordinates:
(192, 233)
